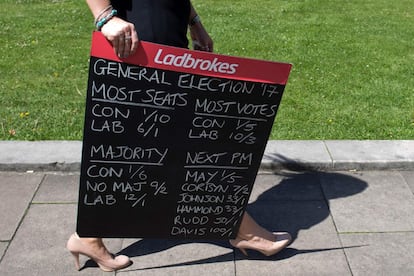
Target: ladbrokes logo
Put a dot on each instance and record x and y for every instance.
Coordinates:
(187, 61)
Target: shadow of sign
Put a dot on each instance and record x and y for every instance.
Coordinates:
(291, 201)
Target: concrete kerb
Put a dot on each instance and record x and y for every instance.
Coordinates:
(40, 155)
(325, 155)
(339, 155)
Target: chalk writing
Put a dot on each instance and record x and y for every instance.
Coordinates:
(168, 153)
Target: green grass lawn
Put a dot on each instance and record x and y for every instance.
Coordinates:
(352, 77)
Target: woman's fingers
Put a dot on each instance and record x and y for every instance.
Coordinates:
(120, 45)
(130, 41)
(122, 35)
(134, 41)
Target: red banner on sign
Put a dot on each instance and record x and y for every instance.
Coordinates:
(173, 138)
(196, 62)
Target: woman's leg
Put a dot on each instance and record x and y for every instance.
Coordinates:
(253, 236)
(95, 249)
(250, 229)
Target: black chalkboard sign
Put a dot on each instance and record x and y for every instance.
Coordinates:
(173, 140)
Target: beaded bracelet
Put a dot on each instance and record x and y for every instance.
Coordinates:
(109, 7)
(105, 20)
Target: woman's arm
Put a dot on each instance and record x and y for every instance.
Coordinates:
(120, 33)
(201, 39)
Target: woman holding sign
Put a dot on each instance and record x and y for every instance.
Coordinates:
(124, 23)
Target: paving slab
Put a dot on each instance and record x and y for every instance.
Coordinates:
(38, 247)
(58, 187)
(287, 186)
(379, 201)
(316, 249)
(380, 253)
(3, 246)
(371, 154)
(169, 257)
(16, 192)
(409, 178)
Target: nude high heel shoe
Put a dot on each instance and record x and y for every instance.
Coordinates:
(266, 247)
(100, 255)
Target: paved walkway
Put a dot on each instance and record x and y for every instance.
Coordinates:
(349, 215)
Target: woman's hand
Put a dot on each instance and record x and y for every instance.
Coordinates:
(201, 39)
(122, 36)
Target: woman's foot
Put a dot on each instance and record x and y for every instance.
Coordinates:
(267, 247)
(96, 250)
(253, 236)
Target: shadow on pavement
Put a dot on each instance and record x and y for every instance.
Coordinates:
(298, 202)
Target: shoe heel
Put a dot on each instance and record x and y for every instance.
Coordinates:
(100, 256)
(76, 257)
